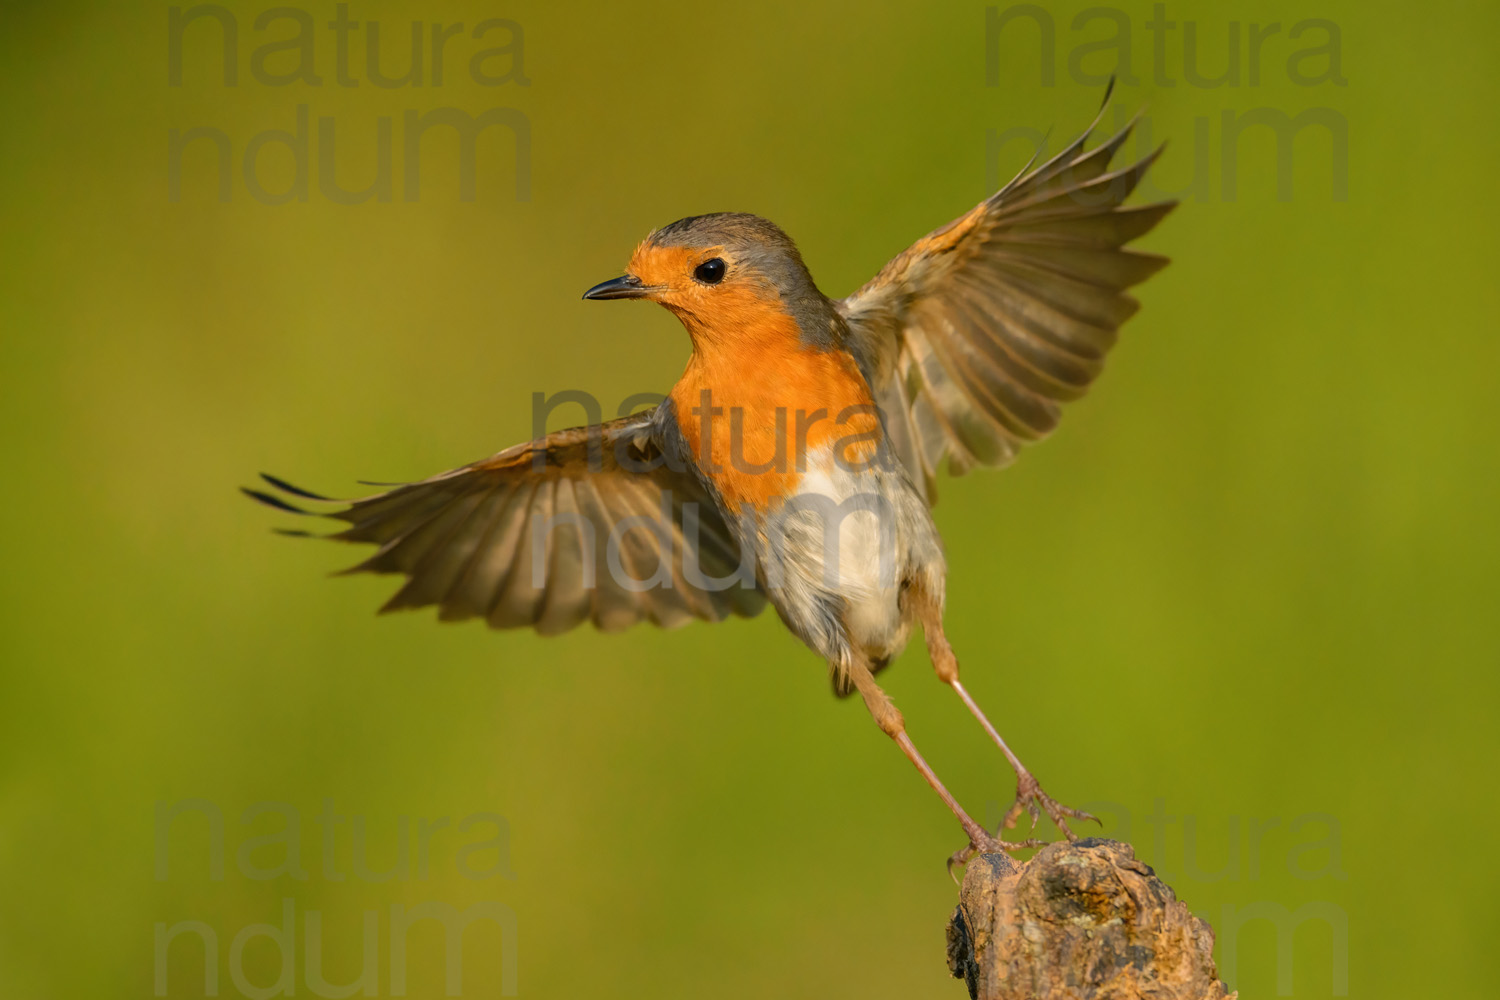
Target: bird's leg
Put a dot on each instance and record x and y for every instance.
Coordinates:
(889, 719)
(1029, 794)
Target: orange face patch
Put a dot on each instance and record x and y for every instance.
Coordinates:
(668, 268)
(720, 311)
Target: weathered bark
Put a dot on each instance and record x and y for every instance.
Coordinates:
(1079, 921)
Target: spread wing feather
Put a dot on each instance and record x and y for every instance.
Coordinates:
(587, 524)
(974, 336)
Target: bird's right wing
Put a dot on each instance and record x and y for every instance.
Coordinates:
(586, 524)
(973, 336)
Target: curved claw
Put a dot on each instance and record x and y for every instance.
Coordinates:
(1022, 804)
(1029, 797)
(991, 845)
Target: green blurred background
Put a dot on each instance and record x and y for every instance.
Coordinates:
(1249, 583)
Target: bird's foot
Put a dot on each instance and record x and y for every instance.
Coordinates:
(985, 844)
(1031, 799)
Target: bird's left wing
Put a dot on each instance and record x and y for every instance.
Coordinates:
(587, 524)
(972, 337)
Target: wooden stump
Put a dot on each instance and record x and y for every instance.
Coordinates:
(1079, 921)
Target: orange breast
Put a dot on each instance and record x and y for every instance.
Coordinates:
(757, 406)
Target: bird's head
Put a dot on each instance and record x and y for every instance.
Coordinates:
(719, 274)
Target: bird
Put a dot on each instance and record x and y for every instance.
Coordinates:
(794, 463)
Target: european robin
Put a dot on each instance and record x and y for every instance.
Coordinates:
(794, 461)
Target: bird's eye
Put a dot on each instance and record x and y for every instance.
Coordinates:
(711, 271)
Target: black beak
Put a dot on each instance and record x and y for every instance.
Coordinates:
(628, 287)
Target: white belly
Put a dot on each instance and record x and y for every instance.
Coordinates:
(842, 538)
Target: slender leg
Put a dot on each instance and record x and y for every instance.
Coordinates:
(1029, 794)
(888, 718)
